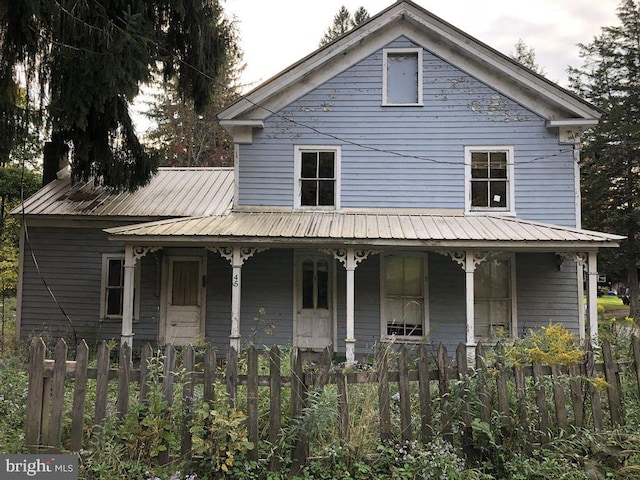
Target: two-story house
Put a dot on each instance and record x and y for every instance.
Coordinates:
(404, 183)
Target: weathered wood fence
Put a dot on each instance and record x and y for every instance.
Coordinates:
(562, 395)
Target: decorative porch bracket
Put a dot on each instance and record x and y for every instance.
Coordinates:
(350, 259)
(236, 256)
(469, 261)
(131, 256)
(588, 261)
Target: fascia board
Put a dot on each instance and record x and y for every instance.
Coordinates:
(405, 18)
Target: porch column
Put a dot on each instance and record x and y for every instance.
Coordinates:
(469, 271)
(350, 259)
(127, 296)
(237, 256)
(236, 289)
(592, 295)
(131, 255)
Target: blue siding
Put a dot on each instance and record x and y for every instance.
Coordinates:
(458, 110)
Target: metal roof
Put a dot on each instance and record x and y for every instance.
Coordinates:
(363, 228)
(172, 192)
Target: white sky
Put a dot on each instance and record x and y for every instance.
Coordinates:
(276, 33)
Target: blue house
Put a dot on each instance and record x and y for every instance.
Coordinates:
(405, 183)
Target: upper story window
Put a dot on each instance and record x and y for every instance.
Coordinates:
(402, 76)
(112, 291)
(489, 179)
(317, 170)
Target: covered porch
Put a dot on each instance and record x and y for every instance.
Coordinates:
(324, 250)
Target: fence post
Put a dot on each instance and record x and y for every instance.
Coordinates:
(575, 385)
(635, 342)
(425, 394)
(232, 376)
(484, 397)
(382, 361)
(443, 385)
(252, 401)
(79, 396)
(503, 395)
(145, 356)
(541, 402)
(462, 368)
(596, 402)
(57, 396)
(102, 383)
(35, 395)
(187, 399)
(124, 373)
(613, 385)
(343, 406)
(298, 398)
(275, 402)
(168, 382)
(209, 393)
(405, 395)
(559, 399)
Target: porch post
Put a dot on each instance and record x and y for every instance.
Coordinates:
(127, 296)
(350, 340)
(469, 271)
(592, 295)
(236, 289)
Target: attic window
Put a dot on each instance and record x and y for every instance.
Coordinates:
(402, 76)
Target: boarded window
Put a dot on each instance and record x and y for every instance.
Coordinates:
(402, 79)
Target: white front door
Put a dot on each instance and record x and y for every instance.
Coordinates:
(314, 313)
(184, 300)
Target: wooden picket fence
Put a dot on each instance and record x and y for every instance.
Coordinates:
(563, 396)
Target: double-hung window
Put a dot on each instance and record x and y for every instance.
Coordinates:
(402, 76)
(403, 296)
(317, 171)
(489, 179)
(112, 289)
(493, 298)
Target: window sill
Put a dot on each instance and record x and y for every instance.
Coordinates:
(402, 104)
(478, 213)
(404, 339)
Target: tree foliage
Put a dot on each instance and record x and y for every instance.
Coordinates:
(526, 56)
(187, 137)
(343, 21)
(610, 78)
(84, 62)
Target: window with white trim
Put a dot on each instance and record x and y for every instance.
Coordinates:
(404, 312)
(112, 288)
(489, 179)
(402, 76)
(493, 302)
(317, 171)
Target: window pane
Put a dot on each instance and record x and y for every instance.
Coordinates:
(482, 322)
(323, 284)
(326, 193)
(479, 194)
(114, 302)
(115, 273)
(394, 272)
(498, 194)
(402, 77)
(307, 284)
(326, 161)
(185, 283)
(500, 278)
(498, 165)
(309, 165)
(479, 164)
(412, 276)
(308, 191)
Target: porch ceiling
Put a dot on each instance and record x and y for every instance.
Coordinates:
(363, 228)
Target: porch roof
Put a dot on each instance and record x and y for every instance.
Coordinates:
(367, 228)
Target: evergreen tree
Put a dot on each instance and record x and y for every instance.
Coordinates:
(610, 171)
(85, 62)
(343, 21)
(186, 137)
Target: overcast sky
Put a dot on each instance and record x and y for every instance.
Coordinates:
(276, 33)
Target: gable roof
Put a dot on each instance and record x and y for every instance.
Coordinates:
(405, 18)
(365, 228)
(172, 192)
